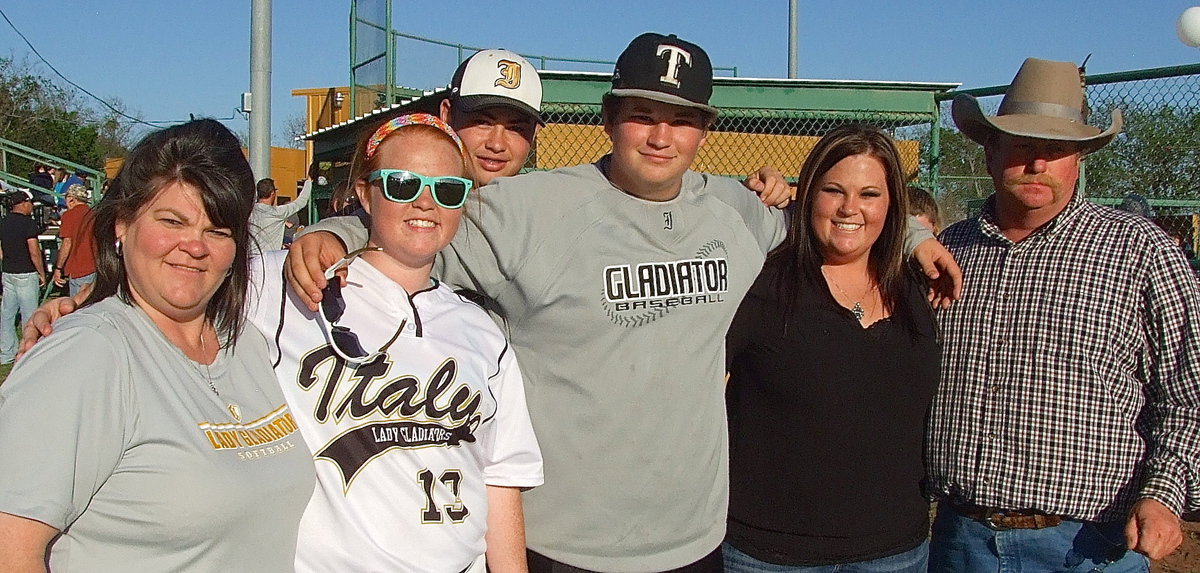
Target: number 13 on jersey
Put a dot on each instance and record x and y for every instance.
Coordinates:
(451, 481)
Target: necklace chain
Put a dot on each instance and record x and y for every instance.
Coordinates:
(232, 407)
(857, 309)
(207, 375)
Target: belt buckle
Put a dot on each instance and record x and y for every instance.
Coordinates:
(990, 519)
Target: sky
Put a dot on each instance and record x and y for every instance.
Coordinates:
(166, 59)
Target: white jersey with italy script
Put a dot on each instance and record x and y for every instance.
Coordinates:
(406, 444)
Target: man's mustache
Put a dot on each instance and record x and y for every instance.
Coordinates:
(1040, 179)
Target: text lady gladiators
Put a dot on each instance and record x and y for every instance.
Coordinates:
(689, 281)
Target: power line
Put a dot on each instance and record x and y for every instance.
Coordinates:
(77, 86)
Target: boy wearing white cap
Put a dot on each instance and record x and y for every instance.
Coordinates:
(495, 107)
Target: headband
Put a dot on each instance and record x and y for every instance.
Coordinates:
(410, 119)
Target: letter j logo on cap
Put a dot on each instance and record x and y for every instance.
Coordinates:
(510, 74)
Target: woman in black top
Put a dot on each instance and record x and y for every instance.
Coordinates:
(833, 358)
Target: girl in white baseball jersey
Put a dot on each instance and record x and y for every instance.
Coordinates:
(407, 394)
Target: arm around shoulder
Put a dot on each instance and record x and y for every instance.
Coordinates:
(318, 246)
(767, 224)
(350, 230)
(23, 544)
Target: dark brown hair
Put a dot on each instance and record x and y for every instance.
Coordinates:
(207, 156)
(799, 257)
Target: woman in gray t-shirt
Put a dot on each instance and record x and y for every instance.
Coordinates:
(145, 434)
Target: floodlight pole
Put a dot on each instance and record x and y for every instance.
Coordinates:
(260, 88)
(793, 48)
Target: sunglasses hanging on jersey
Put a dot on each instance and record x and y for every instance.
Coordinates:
(405, 186)
(345, 343)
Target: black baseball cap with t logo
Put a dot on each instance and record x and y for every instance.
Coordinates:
(667, 69)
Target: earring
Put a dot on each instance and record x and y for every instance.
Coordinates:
(117, 245)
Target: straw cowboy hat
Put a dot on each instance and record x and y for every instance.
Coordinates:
(1045, 101)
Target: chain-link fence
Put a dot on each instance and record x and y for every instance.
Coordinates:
(742, 141)
(1156, 157)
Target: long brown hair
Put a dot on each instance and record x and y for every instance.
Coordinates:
(799, 256)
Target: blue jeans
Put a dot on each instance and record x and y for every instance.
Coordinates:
(76, 283)
(963, 545)
(20, 295)
(914, 560)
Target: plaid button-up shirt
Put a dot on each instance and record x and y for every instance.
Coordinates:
(1071, 368)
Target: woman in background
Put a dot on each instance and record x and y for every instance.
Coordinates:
(833, 358)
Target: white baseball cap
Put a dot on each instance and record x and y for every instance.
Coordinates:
(497, 78)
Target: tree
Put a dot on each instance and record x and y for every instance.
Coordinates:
(962, 172)
(1157, 155)
(37, 113)
(114, 132)
(294, 126)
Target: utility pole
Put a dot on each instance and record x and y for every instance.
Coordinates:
(260, 88)
(793, 47)
(793, 17)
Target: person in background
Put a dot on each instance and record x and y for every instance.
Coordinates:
(42, 178)
(162, 441)
(1184, 244)
(342, 202)
(290, 228)
(1138, 205)
(268, 220)
(1065, 432)
(59, 176)
(833, 358)
(76, 261)
(24, 270)
(924, 207)
(67, 179)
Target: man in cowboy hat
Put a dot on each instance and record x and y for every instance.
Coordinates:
(1065, 427)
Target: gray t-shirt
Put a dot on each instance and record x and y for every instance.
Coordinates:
(110, 434)
(267, 222)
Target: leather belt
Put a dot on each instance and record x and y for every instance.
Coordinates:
(1000, 519)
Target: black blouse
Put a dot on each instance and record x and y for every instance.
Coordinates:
(826, 424)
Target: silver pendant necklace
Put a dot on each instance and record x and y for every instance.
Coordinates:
(233, 408)
(857, 309)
